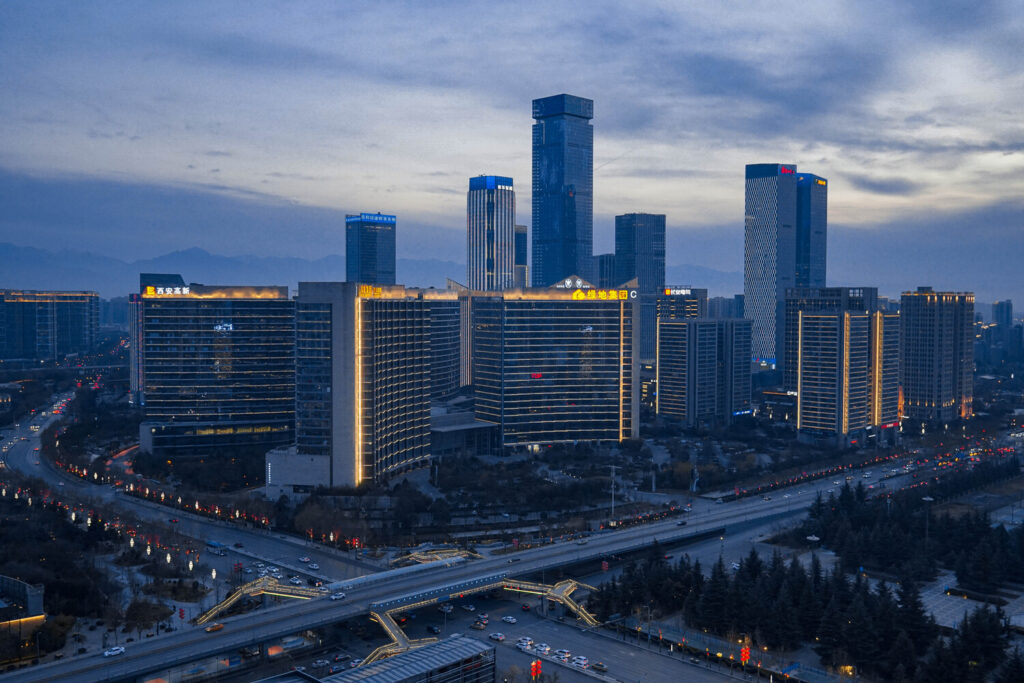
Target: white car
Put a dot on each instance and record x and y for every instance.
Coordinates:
(337, 596)
(563, 653)
(114, 651)
(314, 565)
(509, 619)
(295, 581)
(303, 559)
(469, 608)
(581, 662)
(497, 636)
(543, 648)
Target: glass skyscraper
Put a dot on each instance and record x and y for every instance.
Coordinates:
(47, 325)
(370, 248)
(785, 231)
(563, 189)
(520, 267)
(640, 254)
(490, 233)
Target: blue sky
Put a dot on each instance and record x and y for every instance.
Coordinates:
(121, 122)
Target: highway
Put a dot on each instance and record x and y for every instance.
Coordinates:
(184, 645)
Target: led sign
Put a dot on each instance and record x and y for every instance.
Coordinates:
(676, 291)
(166, 291)
(603, 294)
(783, 169)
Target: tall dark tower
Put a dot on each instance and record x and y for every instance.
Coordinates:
(563, 189)
(370, 248)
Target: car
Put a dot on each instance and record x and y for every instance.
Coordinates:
(355, 663)
(433, 628)
(497, 636)
(295, 581)
(446, 609)
(303, 559)
(681, 522)
(239, 545)
(322, 589)
(114, 651)
(581, 662)
(214, 627)
(298, 668)
(482, 615)
(272, 569)
(320, 663)
(525, 607)
(335, 669)
(260, 565)
(482, 620)
(248, 570)
(562, 653)
(342, 657)
(542, 648)
(314, 565)
(478, 626)
(526, 640)
(469, 608)
(599, 666)
(509, 619)
(337, 596)
(523, 647)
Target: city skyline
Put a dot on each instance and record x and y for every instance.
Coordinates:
(916, 136)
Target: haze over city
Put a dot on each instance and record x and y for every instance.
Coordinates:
(134, 131)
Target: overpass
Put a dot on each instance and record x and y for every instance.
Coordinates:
(143, 660)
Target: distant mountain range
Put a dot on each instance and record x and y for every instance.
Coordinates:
(34, 268)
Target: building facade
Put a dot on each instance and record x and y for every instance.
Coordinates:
(212, 367)
(703, 370)
(640, 256)
(604, 268)
(490, 233)
(937, 364)
(818, 300)
(370, 248)
(563, 189)
(785, 235)
(38, 325)
(521, 269)
(556, 365)
(847, 366)
(364, 370)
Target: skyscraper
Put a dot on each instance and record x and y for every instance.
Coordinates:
(703, 369)
(604, 268)
(490, 233)
(785, 231)
(640, 250)
(520, 272)
(563, 189)
(370, 248)
(846, 364)
(213, 367)
(937, 364)
(47, 325)
(556, 365)
(817, 300)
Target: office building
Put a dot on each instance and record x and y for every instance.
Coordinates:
(370, 248)
(785, 233)
(937, 364)
(37, 325)
(563, 189)
(363, 375)
(1002, 316)
(640, 256)
(490, 233)
(818, 300)
(847, 375)
(604, 267)
(520, 269)
(212, 367)
(703, 370)
(556, 365)
(725, 306)
(679, 302)
(445, 344)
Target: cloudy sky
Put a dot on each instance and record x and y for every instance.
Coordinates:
(249, 128)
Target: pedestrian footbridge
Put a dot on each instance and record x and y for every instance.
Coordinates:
(265, 585)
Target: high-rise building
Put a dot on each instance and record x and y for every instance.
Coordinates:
(640, 250)
(785, 231)
(640, 255)
(445, 344)
(490, 233)
(212, 367)
(556, 365)
(604, 267)
(370, 248)
(521, 271)
(677, 302)
(817, 300)
(36, 325)
(847, 375)
(937, 364)
(703, 369)
(725, 306)
(1002, 316)
(363, 374)
(563, 189)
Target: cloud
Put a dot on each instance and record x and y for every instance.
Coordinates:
(899, 186)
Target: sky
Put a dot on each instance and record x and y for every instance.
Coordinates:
(135, 129)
